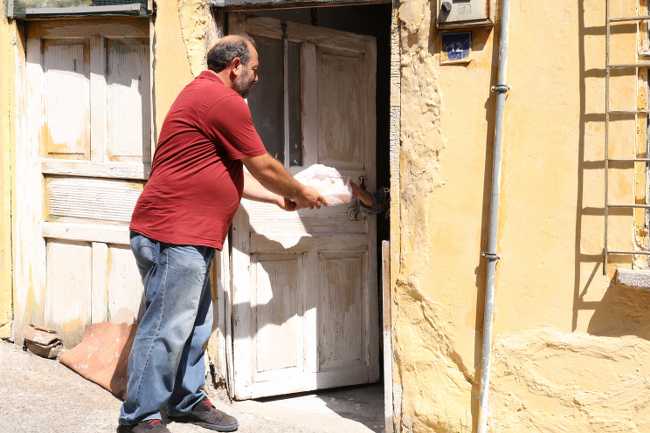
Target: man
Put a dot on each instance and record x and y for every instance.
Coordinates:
(182, 216)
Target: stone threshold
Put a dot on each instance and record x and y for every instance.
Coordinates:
(633, 278)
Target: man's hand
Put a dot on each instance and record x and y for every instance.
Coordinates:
(308, 197)
(286, 204)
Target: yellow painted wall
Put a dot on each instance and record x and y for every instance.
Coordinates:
(182, 33)
(556, 366)
(7, 56)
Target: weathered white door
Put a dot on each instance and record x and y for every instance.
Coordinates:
(304, 286)
(84, 151)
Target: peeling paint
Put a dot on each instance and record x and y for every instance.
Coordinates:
(183, 31)
(434, 372)
(436, 380)
(8, 41)
(194, 21)
(172, 70)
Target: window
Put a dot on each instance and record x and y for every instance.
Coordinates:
(275, 102)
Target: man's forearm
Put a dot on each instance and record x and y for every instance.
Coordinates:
(272, 175)
(253, 190)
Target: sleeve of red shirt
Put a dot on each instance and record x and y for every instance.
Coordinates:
(230, 124)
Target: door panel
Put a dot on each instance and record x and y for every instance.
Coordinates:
(66, 99)
(340, 310)
(342, 110)
(92, 198)
(304, 283)
(277, 324)
(79, 175)
(127, 79)
(67, 298)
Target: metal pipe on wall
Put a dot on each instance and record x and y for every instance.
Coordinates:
(501, 90)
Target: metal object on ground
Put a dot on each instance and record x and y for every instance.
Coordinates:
(42, 342)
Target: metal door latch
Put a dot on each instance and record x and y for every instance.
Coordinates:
(354, 208)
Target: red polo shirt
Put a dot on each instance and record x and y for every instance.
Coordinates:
(197, 179)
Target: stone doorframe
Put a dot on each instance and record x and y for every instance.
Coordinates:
(220, 347)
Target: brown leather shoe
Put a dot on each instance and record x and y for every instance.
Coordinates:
(149, 426)
(204, 414)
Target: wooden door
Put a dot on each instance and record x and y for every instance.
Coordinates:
(83, 155)
(304, 286)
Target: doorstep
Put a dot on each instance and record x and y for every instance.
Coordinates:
(633, 278)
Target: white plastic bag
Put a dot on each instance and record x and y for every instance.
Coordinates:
(332, 185)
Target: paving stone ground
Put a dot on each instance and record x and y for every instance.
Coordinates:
(42, 396)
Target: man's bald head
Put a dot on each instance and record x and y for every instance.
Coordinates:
(226, 49)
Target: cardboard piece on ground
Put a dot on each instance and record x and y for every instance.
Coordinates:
(102, 356)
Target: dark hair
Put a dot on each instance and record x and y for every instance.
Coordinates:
(226, 49)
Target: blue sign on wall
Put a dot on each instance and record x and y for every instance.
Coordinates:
(456, 46)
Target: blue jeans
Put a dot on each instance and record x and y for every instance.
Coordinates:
(166, 364)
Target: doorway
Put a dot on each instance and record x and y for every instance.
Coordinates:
(297, 331)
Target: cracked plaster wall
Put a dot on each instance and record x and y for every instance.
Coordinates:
(570, 346)
(183, 32)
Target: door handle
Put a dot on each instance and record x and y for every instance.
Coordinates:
(354, 208)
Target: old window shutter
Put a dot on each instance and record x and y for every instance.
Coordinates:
(25, 9)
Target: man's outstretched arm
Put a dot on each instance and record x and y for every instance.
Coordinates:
(272, 175)
(253, 190)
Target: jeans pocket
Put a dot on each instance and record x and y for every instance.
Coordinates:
(144, 251)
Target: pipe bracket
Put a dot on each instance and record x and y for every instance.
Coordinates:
(491, 257)
(500, 88)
